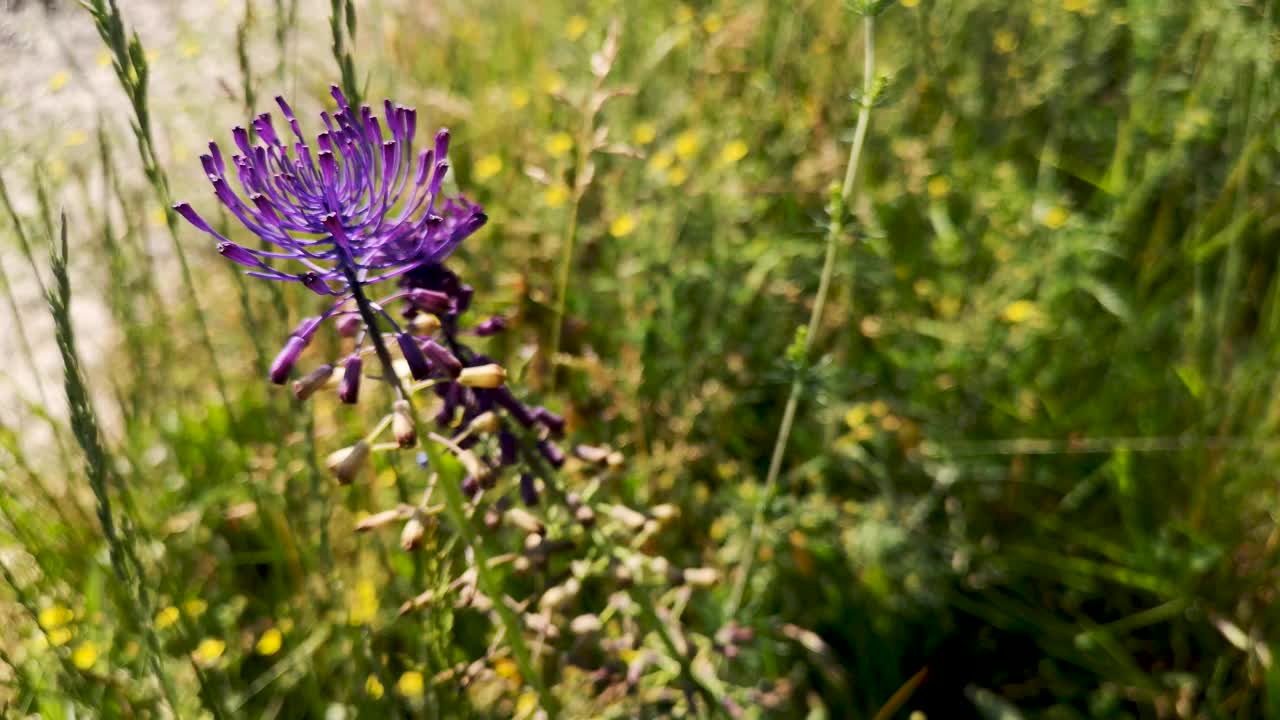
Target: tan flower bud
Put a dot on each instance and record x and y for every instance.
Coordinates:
(483, 376)
(485, 422)
(424, 323)
(306, 386)
(585, 625)
(414, 530)
(345, 463)
(402, 425)
(701, 577)
(526, 521)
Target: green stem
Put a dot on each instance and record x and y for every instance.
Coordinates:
(834, 231)
(456, 507)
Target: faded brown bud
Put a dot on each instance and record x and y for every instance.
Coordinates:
(413, 532)
(483, 376)
(585, 625)
(701, 577)
(485, 422)
(306, 386)
(345, 463)
(625, 515)
(585, 516)
(591, 453)
(402, 424)
(526, 521)
(664, 513)
(424, 323)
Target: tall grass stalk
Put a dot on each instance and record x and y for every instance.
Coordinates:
(98, 468)
(131, 68)
(835, 231)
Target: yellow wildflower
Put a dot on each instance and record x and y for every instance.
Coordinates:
(166, 617)
(488, 166)
(1020, 311)
(195, 607)
(411, 684)
(1055, 218)
(104, 58)
(622, 225)
(910, 3)
(519, 98)
(55, 616)
(85, 655)
(677, 176)
(1005, 41)
(552, 83)
(76, 138)
(687, 144)
(270, 642)
(734, 151)
(938, 187)
(712, 23)
(661, 160)
(189, 49)
(59, 80)
(555, 196)
(644, 133)
(373, 687)
(364, 603)
(684, 14)
(575, 28)
(560, 144)
(60, 636)
(209, 650)
(506, 669)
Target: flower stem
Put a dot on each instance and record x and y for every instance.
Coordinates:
(834, 231)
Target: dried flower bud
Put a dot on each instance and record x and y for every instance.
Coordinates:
(485, 422)
(585, 625)
(349, 385)
(413, 532)
(591, 453)
(664, 513)
(402, 425)
(526, 521)
(492, 518)
(701, 577)
(312, 381)
(474, 466)
(614, 460)
(386, 517)
(585, 516)
(424, 323)
(483, 376)
(345, 463)
(628, 517)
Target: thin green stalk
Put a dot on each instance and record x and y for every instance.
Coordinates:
(97, 464)
(834, 232)
(580, 185)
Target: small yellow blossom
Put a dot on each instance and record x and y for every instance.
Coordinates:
(527, 704)
(85, 655)
(76, 138)
(684, 14)
(661, 160)
(910, 3)
(488, 166)
(677, 176)
(560, 144)
(506, 669)
(712, 23)
(209, 650)
(687, 144)
(879, 409)
(152, 56)
(555, 196)
(55, 616)
(644, 133)
(166, 617)
(189, 49)
(59, 80)
(1005, 41)
(411, 684)
(734, 151)
(270, 642)
(373, 687)
(60, 636)
(104, 58)
(519, 98)
(1075, 6)
(156, 217)
(364, 603)
(938, 187)
(552, 83)
(576, 27)
(857, 416)
(1020, 311)
(622, 225)
(195, 607)
(1055, 218)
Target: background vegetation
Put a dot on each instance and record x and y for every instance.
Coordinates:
(1031, 473)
